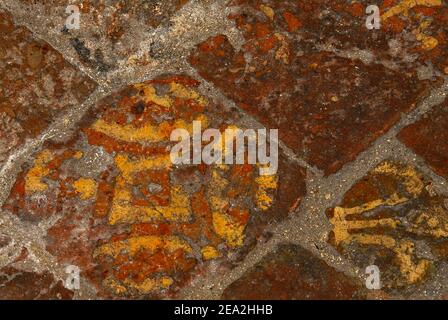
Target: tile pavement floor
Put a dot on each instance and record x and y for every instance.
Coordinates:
(85, 176)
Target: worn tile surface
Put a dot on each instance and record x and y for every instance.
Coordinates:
(292, 273)
(36, 85)
(361, 181)
(393, 218)
(22, 285)
(428, 137)
(109, 33)
(331, 108)
(134, 223)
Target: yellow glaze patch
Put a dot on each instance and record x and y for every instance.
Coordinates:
(147, 133)
(33, 179)
(129, 167)
(78, 155)
(176, 89)
(124, 212)
(147, 286)
(412, 178)
(342, 226)
(268, 11)
(152, 243)
(150, 95)
(209, 253)
(404, 6)
(413, 272)
(180, 91)
(150, 285)
(428, 42)
(427, 224)
(85, 187)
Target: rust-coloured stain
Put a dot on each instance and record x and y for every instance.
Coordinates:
(427, 137)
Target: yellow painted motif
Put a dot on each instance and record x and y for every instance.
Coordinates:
(33, 179)
(147, 133)
(229, 230)
(209, 253)
(428, 42)
(124, 210)
(152, 243)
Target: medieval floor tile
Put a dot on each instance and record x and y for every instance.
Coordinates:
(136, 224)
(394, 219)
(293, 273)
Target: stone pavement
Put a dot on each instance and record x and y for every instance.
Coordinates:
(86, 179)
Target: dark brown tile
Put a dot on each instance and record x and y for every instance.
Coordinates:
(36, 85)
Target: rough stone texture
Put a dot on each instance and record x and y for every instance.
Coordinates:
(361, 178)
(428, 138)
(36, 85)
(293, 273)
(393, 218)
